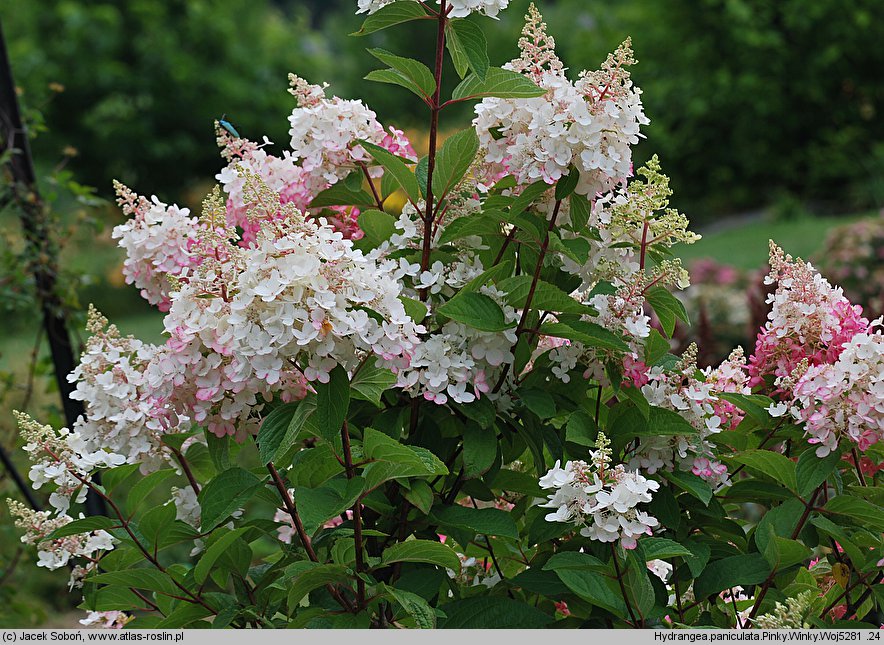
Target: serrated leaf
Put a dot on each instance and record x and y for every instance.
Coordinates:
(317, 505)
(660, 548)
(377, 227)
(420, 495)
(475, 310)
(311, 578)
(468, 40)
(416, 76)
(422, 551)
(772, 464)
(84, 525)
(389, 15)
(482, 224)
(415, 606)
(493, 612)
(812, 471)
(540, 402)
(588, 333)
(479, 450)
(656, 347)
(144, 486)
(487, 521)
(332, 402)
(546, 297)
(862, 512)
(340, 194)
(453, 160)
(273, 430)
(737, 570)
(498, 82)
(690, 483)
(397, 168)
(148, 579)
(215, 550)
(227, 492)
(372, 381)
(667, 307)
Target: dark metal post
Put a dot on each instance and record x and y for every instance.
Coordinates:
(42, 252)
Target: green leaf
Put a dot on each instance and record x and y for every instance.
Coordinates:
(493, 274)
(314, 466)
(378, 446)
(752, 404)
(412, 74)
(663, 422)
(781, 553)
(144, 486)
(156, 521)
(341, 195)
(772, 464)
(273, 430)
(414, 606)
(391, 14)
(184, 614)
(812, 471)
(415, 309)
(479, 450)
(581, 429)
(149, 579)
(862, 512)
(397, 168)
(656, 347)
(85, 525)
(475, 310)
(493, 612)
(700, 553)
(540, 402)
(422, 551)
(547, 297)
(302, 418)
(566, 185)
(667, 307)
(690, 483)
(487, 521)
(216, 550)
(829, 528)
(502, 83)
(589, 578)
(371, 382)
(482, 224)
(579, 212)
(332, 402)
(588, 333)
(660, 548)
(312, 578)
(317, 505)
(453, 160)
(224, 494)
(377, 227)
(420, 495)
(737, 570)
(467, 42)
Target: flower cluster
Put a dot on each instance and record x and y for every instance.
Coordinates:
(844, 399)
(456, 8)
(122, 416)
(156, 241)
(57, 553)
(589, 124)
(62, 458)
(809, 320)
(601, 499)
(258, 321)
(792, 615)
(106, 619)
(694, 400)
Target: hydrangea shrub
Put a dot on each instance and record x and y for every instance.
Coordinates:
(459, 415)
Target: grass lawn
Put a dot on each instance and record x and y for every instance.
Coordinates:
(745, 245)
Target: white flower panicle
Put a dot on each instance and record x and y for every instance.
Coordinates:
(122, 416)
(260, 320)
(62, 458)
(844, 400)
(602, 500)
(590, 123)
(156, 240)
(456, 8)
(106, 619)
(36, 526)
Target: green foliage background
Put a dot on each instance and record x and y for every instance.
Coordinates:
(750, 100)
